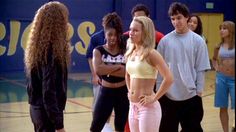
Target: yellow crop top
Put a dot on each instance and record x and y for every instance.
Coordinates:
(140, 69)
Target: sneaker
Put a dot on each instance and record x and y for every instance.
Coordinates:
(233, 126)
(107, 128)
(233, 129)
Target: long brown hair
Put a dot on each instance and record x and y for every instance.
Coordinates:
(230, 26)
(48, 36)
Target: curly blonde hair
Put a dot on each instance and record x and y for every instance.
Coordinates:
(148, 37)
(48, 36)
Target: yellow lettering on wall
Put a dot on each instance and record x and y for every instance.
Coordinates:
(14, 34)
(25, 36)
(2, 35)
(70, 35)
(85, 36)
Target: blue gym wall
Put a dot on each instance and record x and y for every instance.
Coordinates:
(85, 19)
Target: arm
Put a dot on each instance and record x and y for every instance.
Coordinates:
(201, 65)
(100, 68)
(160, 50)
(215, 58)
(158, 62)
(200, 82)
(127, 80)
(50, 95)
(95, 78)
(89, 55)
(120, 72)
(96, 40)
(61, 130)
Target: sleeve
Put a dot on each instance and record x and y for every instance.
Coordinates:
(200, 81)
(50, 96)
(159, 36)
(89, 53)
(202, 61)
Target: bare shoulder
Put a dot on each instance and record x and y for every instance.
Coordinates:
(154, 54)
(96, 53)
(154, 57)
(96, 50)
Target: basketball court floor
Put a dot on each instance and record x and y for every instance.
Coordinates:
(14, 109)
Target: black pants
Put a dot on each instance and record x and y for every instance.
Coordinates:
(40, 119)
(109, 99)
(188, 113)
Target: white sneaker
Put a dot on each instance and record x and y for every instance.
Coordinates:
(107, 128)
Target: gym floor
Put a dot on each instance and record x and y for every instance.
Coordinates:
(14, 109)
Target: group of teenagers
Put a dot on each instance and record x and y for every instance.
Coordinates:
(152, 82)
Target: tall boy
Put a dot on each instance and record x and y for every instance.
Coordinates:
(186, 54)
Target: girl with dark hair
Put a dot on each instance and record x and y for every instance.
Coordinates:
(195, 24)
(109, 64)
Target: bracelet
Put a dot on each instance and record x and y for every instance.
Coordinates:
(108, 75)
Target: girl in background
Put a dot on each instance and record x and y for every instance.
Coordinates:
(224, 63)
(195, 24)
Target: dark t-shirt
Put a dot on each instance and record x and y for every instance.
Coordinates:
(110, 59)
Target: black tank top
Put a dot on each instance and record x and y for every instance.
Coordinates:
(110, 59)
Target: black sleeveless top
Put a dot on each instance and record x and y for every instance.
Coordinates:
(110, 59)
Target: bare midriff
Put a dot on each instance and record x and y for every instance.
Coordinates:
(139, 87)
(113, 85)
(226, 66)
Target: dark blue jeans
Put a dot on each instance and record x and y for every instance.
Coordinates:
(109, 99)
